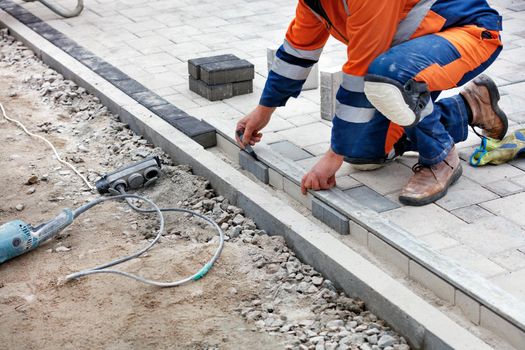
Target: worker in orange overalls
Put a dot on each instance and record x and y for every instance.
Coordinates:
(401, 55)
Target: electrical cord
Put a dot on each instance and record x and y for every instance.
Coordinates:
(155, 209)
(22, 126)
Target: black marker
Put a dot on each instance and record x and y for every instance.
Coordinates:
(247, 148)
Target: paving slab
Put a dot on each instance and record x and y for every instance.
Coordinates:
(465, 193)
(473, 260)
(371, 199)
(424, 220)
(290, 151)
(513, 282)
(511, 207)
(391, 178)
(472, 213)
(511, 260)
(490, 236)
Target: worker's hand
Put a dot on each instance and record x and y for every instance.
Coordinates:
(322, 175)
(252, 124)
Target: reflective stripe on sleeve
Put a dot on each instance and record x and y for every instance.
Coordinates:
(289, 70)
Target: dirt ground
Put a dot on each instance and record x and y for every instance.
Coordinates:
(258, 295)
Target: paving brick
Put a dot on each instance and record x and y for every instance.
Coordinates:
(441, 288)
(424, 220)
(490, 236)
(330, 216)
(129, 86)
(242, 87)
(494, 322)
(504, 187)
(389, 179)
(200, 131)
(465, 193)
(371, 199)
(275, 179)
(511, 207)
(473, 261)
(226, 72)
(110, 73)
(149, 99)
(290, 151)
(258, 169)
(511, 260)
(311, 83)
(388, 253)
(438, 241)
(169, 113)
(211, 92)
(330, 82)
(512, 282)
(358, 233)
(294, 191)
(469, 306)
(488, 174)
(308, 134)
(472, 213)
(347, 182)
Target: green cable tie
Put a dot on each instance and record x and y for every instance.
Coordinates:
(202, 272)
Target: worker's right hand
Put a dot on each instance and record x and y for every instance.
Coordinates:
(252, 124)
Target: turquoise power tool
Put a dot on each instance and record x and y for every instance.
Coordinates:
(17, 237)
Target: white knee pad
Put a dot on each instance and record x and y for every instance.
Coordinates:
(402, 105)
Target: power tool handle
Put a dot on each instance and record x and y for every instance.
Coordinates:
(54, 226)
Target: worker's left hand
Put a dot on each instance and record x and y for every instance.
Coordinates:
(322, 175)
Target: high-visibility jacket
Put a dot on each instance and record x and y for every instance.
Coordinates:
(368, 28)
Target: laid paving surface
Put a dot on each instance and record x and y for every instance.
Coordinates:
(480, 223)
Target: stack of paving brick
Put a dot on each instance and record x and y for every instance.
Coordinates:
(220, 77)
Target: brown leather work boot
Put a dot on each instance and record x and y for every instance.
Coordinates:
(482, 96)
(430, 183)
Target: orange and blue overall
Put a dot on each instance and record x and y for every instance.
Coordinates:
(440, 44)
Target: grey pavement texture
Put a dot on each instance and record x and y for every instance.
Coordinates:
(480, 224)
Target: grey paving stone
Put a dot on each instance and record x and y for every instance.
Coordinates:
(490, 173)
(465, 193)
(195, 63)
(347, 182)
(93, 62)
(371, 199)
(242, 87)
(511, 207)
(169, 113)
(517, 7)
(519, 163)
(504, 187)
(511, 260)
(258, 169)
(149, 99)
(490, 236)
(129, 86)
(226, 72)
(389, 179)
(438, 241)
(330, 216)
(198, 130)
(211, 92)
(424, 220)
(290, 151)
(110, 73)
(513, 282)
(46, 31)
(473, 260)
(472, 213)
(80, 53)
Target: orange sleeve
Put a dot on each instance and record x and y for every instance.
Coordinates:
(306, 32)
(370, 28)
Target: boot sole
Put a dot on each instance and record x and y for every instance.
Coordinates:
(424, 201)
(486, 81)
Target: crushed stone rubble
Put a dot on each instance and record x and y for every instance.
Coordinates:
(293, 300)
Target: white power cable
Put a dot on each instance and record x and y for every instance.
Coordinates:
(91, 187)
